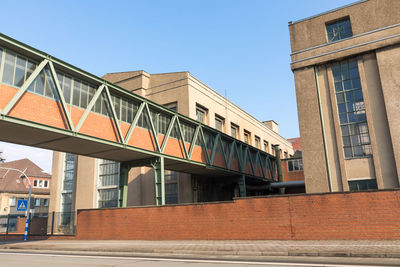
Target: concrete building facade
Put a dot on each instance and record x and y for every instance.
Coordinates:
(81, 182)
(347, 77)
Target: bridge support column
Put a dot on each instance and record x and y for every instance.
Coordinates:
(242, 186)
(123, 185)
(158, 166)
(279, 167)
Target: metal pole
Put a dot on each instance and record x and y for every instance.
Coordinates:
(28, 213)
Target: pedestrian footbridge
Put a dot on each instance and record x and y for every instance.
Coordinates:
(48, 103)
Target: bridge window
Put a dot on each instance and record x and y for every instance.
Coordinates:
(108, 184)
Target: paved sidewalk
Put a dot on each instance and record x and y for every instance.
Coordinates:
(226, 248)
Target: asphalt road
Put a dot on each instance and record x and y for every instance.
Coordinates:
(33, 260)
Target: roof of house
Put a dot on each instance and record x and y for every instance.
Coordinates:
(10, 181)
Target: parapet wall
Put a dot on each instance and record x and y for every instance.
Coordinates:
(360, 215)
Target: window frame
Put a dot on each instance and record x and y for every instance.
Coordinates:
(201, 110)
(236, 128)
(221, 120)
(331, 23)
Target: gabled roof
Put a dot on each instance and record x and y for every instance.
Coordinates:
(10, 181)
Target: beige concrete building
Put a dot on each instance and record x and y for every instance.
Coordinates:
(346, 64)
(81, 182)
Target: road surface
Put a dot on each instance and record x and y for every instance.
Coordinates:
(33, 260)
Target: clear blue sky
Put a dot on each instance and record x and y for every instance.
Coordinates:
(242, 47)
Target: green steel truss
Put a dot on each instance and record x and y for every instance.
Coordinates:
(251, 161)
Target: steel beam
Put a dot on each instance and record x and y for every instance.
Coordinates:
(61, 96)
(158, 166)
(89, 107)
(123, 185)
(242, 186)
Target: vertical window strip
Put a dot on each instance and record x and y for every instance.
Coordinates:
(351, 109)
(108, 183)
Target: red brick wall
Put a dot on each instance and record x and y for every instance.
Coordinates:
(291, 176)
(361, 215)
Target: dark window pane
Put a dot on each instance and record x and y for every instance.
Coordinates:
(9, 66)
(345, 130)
(76, 93)
(348, 153)
(342, 108)
(19, 76)
(346, 140)
(84, 95)
(343, 118)
(67, 89)
(338, 86)
(338, 30)
(340, 98)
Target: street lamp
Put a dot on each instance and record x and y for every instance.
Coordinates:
(28, 213)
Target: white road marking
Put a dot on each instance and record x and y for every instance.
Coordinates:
(186, 260)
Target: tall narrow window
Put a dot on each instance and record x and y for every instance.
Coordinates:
(266, 147)
(171, 187)
(339, 30)
(201, 113)
(108, 182)
(257, 142)
(247, 137)
(234, 130)
(66, 189)
(351, 109)
(219, 123)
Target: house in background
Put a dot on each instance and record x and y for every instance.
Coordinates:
(13, 186)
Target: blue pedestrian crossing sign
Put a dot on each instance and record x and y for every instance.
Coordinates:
(22, 205)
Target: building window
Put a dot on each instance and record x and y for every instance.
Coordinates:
(172, 106)
(285, 154)
(66, 189)
(13, 200)
(257, 142)
(40, 183)
(365, 184)
(201, 113)
(219, 123)
(266, 146)
(351, 109)
(234, 130)
(339, 30)
(171, 187)
(247, 136)
(295, 165)
(45, 202)
(37, 202)
(108, 182)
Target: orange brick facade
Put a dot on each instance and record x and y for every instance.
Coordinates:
(291, 176)
(361, 215)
